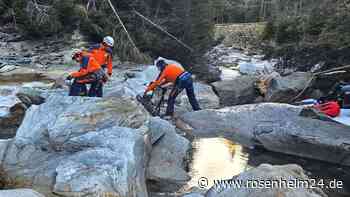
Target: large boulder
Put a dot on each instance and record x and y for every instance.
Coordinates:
(30, 97)
(205, 95)
(113, 164)
(20, 193)
(193, 195)
(277, 127)
(267, 173)
(166, 168)
(138, 84)
(12, 112)
(10, 73)
(238, 91)
(80, 145)
(15, 100)
(284, 89)
(212, 73)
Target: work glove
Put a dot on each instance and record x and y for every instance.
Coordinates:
(69, 78)
(146, 94)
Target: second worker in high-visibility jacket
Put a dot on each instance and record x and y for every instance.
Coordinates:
(181, 79)
(103, 54)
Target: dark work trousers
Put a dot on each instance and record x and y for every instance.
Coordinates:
(78, 89)
(179, 87)
(96, 89)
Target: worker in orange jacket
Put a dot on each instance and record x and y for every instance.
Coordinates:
(181, 79)
(90, 72)
(103, 53)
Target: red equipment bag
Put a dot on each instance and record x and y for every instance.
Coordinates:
(331, 108)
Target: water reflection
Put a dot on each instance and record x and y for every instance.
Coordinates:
(216, 158)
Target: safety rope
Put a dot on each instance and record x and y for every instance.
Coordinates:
(163, 30)
(123, 26)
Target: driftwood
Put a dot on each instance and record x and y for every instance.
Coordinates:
(315, 75)
(332, 70)
(265, 79)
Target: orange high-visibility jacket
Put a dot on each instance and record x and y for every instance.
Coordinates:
(88, 65)
(170, 73)
(103, 55)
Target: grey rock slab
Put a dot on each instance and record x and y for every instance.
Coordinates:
(276, 127)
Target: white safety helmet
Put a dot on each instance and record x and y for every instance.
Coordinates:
(167, 61)
(109, 41)
(157, 60)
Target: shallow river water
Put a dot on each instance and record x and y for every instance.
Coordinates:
(220, 159)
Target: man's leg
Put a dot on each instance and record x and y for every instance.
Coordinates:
(191, 96)
(96, 89)
(171, 101)
(99, 92)
(92, 90)
(78, 89)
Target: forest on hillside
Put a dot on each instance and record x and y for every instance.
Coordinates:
(189, 21)
(303, 32)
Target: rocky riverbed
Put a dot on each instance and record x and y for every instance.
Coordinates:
(68, 146)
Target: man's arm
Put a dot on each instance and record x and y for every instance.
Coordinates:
(110, 65)
(82, 72)
(156, 83)
(83, 68)
(109, 61)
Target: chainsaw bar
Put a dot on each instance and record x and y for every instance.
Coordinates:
(148, 105)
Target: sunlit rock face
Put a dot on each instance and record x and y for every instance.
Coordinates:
(80, 145)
